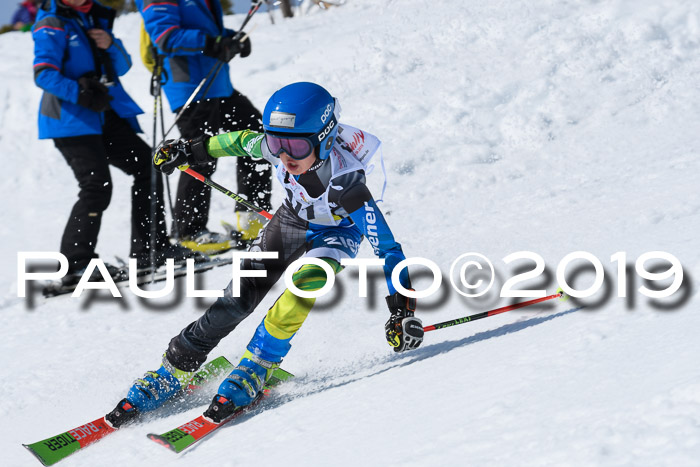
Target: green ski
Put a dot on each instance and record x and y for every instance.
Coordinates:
(56, 448)
(191, 432)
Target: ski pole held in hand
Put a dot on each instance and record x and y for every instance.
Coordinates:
(486, 314)
(227, 192)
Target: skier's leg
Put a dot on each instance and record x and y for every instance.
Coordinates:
(254, 178)
(128, 152)
(271, 340)
(193, 197)
(285, 234)
(86, 157)
(189, 349)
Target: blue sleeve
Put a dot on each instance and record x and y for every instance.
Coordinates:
(22, 15)
(119, 56)
(49, 48)
(371, 222)
(162, 21)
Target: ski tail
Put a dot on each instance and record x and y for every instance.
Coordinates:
(53, 449)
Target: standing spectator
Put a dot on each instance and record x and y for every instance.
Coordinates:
(192, 38)
(24, 16)
(92, 120)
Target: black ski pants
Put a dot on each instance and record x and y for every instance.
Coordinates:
(89, 156)
(215, 116)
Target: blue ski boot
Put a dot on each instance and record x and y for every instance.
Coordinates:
(156, 387)
(241, 387)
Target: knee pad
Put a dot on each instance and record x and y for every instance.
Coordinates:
(311, 277)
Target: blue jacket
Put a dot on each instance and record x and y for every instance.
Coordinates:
(179, 29)
(62, 54)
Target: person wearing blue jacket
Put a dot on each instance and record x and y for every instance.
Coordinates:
(92, 121)
(192, 39)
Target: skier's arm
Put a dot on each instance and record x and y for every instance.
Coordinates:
(162, 21)
(359, 203)
(244, 143)
(49, 48)
(182, 153)
(403, 330)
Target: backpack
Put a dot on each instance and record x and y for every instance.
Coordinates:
(149, 54)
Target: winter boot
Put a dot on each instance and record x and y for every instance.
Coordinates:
(156, 387)
(207, 242)
(241, 387)
(248, 226)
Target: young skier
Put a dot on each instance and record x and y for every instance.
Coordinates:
(321, 164)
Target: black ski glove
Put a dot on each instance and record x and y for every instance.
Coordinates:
(181, 153)
(93, 95)
(403, 330)
(225, 48)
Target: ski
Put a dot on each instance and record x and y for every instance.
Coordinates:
(58, 447)
(186, 435)
(56, 288)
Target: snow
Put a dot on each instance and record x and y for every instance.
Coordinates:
(550, 127)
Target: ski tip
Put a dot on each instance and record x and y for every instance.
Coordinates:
(36, 454)
(162, 441)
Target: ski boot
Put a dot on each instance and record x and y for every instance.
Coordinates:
(207, 242)
(241, 387)
(248, 226)
(156, 387)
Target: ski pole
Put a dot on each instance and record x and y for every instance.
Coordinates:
(254, 7)
(227, 192)
(175, 231)
(154, 197)
(486, 314)
(215, 70)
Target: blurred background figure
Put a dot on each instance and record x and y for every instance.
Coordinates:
(25, 15)
(92, 121)
(192, 44)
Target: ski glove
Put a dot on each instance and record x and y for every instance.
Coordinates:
(225, 48)
(93, 95)
(403, 330)
(181, 153)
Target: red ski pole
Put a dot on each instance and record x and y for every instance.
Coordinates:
(227, 192)
(486, 314)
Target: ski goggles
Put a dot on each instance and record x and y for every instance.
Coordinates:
(298, 147)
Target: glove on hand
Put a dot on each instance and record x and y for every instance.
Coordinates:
(173, 154)
(93, 95)
(403, 330)
(225, 48)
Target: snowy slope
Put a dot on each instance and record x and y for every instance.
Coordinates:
(551, 127)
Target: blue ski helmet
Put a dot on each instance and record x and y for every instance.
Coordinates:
(304, 109)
